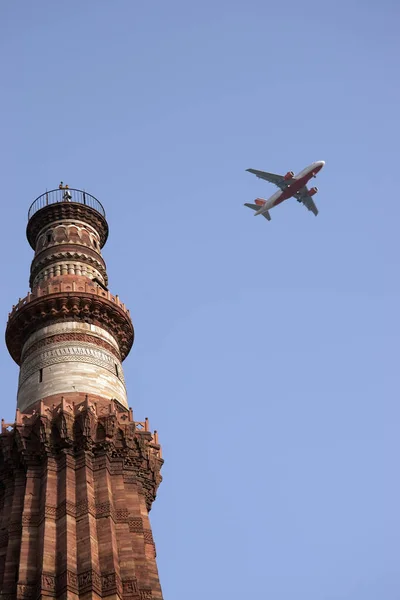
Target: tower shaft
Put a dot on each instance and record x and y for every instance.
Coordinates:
(78, 474)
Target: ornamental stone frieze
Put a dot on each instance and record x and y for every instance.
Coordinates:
(116, 442)
(64, 262)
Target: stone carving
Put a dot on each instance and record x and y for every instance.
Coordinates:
(40, 446)
(63, 428)
(58, 269)
(62, 434)
(43, 436)
(30, 520)
(110, 426)
(65, 508)
(129, 587)
(72, 579)
(103, 510)
(108, 582)
(67, 213)
(50, 511)
(83, 507)
(66, 352)
(68, 328)
(148, 537)
(121, 515)
(48, 582)
(48, 260)
(136, 525)
(66, 233)
(67, 579)
(71, 337)
(26, 590)
(79, 306)
(89, 580)
(99, 511)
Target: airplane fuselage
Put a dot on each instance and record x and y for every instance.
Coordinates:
(295, 185)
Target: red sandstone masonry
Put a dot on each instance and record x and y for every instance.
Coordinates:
(14, 530)
(78, 475)
(150, 552)
(7, 500)
(135, 523)
(30, 521)
(67, 570)
(87, 546)
(92, 476)
(47, 533)
(106, 528)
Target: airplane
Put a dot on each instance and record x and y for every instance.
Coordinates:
(290, 185)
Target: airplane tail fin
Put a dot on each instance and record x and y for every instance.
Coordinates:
(257, 206)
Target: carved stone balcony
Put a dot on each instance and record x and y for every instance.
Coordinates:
(74, 299)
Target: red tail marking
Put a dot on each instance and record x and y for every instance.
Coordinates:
(259, 202)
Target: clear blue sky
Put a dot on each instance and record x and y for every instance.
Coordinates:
(265, 353)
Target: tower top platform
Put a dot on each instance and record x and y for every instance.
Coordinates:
(61, 195)
(66, 203)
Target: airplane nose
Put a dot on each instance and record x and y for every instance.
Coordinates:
(318, 165)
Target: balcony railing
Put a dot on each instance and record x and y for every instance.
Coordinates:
(65, 195)
(69, 288)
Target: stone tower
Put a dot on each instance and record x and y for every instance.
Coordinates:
(77, 474)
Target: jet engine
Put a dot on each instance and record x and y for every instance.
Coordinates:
(289, 175)
(313, 191)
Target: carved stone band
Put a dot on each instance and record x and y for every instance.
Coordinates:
(63, 306)
(64, 211)
(70, 351)
(70, 337)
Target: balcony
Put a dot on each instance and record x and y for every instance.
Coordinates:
(70, 195)
(69, 287)
(69, 301)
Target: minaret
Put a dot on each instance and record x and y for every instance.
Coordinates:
(77, 474)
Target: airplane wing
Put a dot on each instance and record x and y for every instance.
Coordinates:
(302, 196)
(278, 180)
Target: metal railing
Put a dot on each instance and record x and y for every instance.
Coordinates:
(65, 195)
